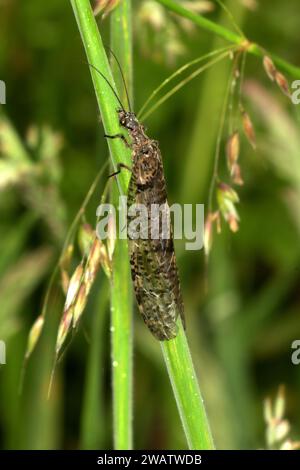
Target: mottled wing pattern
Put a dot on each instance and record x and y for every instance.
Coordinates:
(153, 263)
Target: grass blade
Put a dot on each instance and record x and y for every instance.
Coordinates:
(121, 304)
(228, 35)
(187, 393)
(121, 291)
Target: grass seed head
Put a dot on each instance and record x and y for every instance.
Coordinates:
(248, 129)
(105, 261)
(104, 7)
(65, 281)
(227, 198)
(269, 68)
(281, 430)
(283, 84)
(92, 266)
(64, 328)
(280, 403)
(233, 220)
(86, 236)
(290, 445)
(74, 285)
(95, 256)
(233, 149)
(208, 235)
(212, 218)
(80, 304)
(226, 192)
(34, 334)
(236, 175)
(268, 413)
(278, 428)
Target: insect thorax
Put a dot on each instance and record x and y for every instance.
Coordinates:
(129, 121)
(145, 151)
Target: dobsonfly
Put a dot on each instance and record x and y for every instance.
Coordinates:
(153, 263)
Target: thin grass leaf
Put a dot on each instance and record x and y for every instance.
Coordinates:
(120, 282)
(184, 82)
(179, 72)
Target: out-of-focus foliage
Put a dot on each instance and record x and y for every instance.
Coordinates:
(242, 313)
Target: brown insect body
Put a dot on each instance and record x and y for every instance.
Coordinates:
(153, 261)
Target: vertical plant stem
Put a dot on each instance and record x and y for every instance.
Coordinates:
(121, 304)
(121, 290)
(107, 102)
(187, 393)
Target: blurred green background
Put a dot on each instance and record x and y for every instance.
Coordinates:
(241, 327)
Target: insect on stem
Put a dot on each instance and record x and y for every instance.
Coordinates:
(152, 259)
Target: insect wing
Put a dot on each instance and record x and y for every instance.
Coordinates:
(153, 265)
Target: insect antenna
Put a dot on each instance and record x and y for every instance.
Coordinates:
(122, 75)
(109, 84)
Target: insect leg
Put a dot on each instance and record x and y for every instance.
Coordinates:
(119, 169)
(119, 136)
